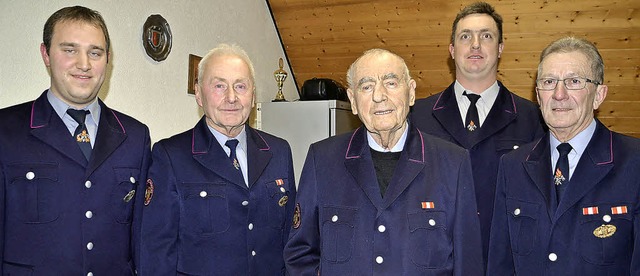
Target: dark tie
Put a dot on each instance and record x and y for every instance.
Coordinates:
(232, 144)
(561, 173)
(472, 122)
(81, 134)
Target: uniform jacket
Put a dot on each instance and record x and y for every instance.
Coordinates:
(426, 224)
(202, 218)
(63, 215)
(531, 235)
(512, 121)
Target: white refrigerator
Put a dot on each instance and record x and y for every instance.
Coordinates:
(302, 123)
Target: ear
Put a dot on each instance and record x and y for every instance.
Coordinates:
(45, 55)
(500, 49)
(412, 92)
(199, 95)
(601, 94)
(352, 100)
(451, 51)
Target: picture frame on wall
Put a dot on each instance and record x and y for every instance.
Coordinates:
(193, 73)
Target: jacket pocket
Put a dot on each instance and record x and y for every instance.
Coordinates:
(277, 200)
(338, 227)
(33, 194)
(600, 249)
(429, 243)
(123, 194)
(206, 210)
(523, 225)
(12, 269)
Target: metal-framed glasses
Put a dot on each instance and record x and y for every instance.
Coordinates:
(573, 83)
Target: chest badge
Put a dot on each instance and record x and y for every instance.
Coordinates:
(129, 196)
(604, 231)
(283, 201)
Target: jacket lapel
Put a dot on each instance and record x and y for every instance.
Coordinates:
(412, 161)
(446, 111)
(595, 163)
(502, 113)
(538, 167)
(359, 163)
(258, 154)
(47, 126)
(209, 153)
(111, 133)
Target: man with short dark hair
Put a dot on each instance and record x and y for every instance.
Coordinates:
(72, 170)
(477, 112)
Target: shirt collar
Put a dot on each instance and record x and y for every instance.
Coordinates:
(578, 143)
(222, 139)
(61, 107)
(488, 96)
(399, 146)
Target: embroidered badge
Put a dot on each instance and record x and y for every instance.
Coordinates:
(129, 196)
(619, 210)
(590, 211)
(558, 178)
(472, 126)
(604, 231)
(83, 137)
(236, 164)
(148, 193)
(427, 205)
(279, 182)
(296, 216)
(283, 201)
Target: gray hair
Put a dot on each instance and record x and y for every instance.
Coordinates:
(351, 73)
(572, 44)
(224, 50)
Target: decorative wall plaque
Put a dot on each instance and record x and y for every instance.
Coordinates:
(156, 37)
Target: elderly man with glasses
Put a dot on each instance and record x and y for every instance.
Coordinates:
(569, 204)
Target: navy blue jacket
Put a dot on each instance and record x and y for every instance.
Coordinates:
(203, 220)
(426, 224)
(531, 235)
(512, 121)
(62, 215)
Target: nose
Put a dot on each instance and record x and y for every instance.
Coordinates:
(230, 95)
(560, 92)
(475, 42)
(380, 93)
(83, 63)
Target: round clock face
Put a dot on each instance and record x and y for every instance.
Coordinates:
(156, 37)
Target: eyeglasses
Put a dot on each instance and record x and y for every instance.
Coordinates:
(575, 83)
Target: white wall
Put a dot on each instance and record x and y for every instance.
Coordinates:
(152, 92)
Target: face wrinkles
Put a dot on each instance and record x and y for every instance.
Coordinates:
(226, 94)
(77, 61)
(382, 98)
(476, 50)
(568, 112)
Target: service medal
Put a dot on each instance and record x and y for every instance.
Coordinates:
(129, 196)
(604, 231)
(283, 201)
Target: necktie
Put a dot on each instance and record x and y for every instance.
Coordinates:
(561, 173)
(81, 134)
(232, 144)
(472, 121)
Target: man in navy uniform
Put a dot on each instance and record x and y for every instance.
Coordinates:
(72, 169)
(223, 192)
(569, 203)
(497, 123)
(385, 199)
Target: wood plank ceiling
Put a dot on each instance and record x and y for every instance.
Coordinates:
(323, 37)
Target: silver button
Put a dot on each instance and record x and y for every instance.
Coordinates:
(516, 212)
(30, 175)
(250, 226)
(90, 245)
(245, 203)
(515, 146)
(90, 274)
(203, 194)
(253, 253)
(282, 189)
(432, 222)
(553, 257)
(334, 218)
(381, 228)
(87, 184)
(132, 180)
(88, 214)
(606, 218)
(379, 259)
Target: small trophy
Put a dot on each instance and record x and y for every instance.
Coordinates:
(280, 76)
